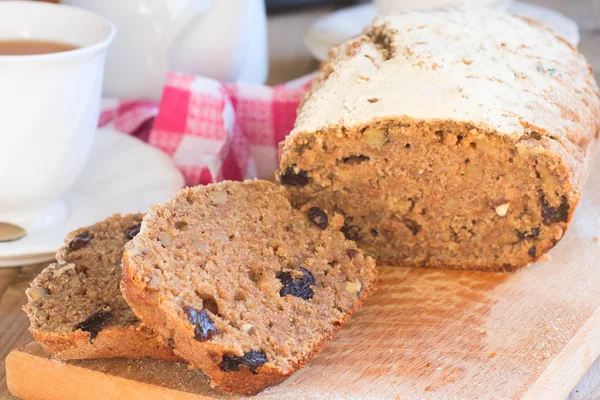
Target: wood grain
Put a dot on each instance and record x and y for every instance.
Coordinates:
(13, 322)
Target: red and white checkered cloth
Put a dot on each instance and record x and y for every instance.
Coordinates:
(213, 130)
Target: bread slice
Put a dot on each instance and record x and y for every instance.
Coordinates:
(247, 288)
(448, 139)
(75, 306)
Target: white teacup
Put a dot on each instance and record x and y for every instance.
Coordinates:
(49, 108)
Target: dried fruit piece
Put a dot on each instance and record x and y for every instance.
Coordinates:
(80, 241)
(351, 232)
(290, 178)
(299, 287)
(552, 214)
(133, 231)
(95, 323)
(533, 234)
(531, 252)
(318, 217)
(204, 327)
(351, 253)
(252, 359)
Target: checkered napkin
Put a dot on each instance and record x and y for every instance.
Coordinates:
(213, 130)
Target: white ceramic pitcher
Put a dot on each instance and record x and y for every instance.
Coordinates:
(220, 39)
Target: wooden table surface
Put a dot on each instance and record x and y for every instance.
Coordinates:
(288, 60)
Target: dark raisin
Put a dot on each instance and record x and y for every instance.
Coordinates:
(533, 234)
(318, 217)
(351, 253)
(290, 178)
(551, 214)
(171, 343)
(299, 287)
(252, 359)
(80, 241)
(531, 252)
(351, 232)
(412, 225)
(95, 323)
(374, 232)
(204, 327)
(133, 231)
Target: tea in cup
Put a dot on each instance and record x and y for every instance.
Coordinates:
(51, 71)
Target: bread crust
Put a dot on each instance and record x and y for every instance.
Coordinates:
(148, 266)
(206, 356)
(498, 77)
(113, 342)
(132, 340)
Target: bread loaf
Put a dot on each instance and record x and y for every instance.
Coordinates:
(75, 305)
(246, 287)
(448, 139)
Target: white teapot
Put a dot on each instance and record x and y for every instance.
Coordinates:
(221, 39)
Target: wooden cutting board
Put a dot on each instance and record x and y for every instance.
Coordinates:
(426, 334)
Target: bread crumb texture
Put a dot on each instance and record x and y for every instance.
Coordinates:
(448, 139)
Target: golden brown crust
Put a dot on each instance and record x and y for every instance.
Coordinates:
(127, 342)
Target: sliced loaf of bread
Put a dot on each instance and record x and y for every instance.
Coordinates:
(75, 305)
(246, 287)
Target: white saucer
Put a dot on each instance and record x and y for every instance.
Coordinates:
(123, 175)
(346, 23)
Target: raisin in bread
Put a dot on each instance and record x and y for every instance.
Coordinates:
(247, 288)
(448, 139)
(75, 306)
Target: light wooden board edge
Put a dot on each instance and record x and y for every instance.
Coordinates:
(570, 365)
(19, 362)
